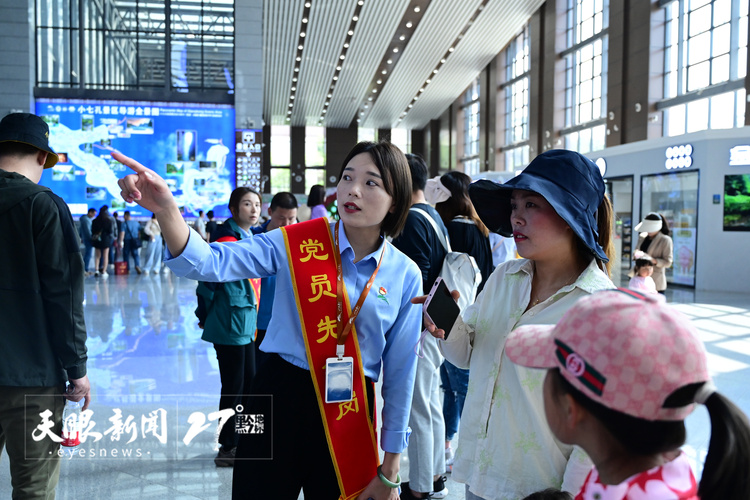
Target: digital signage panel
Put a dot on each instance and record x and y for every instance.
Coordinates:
(190, 145)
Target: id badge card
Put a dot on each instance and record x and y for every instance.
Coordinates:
(339, 380)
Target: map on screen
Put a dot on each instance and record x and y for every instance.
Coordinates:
(190, 145)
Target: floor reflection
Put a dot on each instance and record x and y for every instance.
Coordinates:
(146, 354)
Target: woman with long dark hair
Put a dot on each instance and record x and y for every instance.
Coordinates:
(315, 201)
(103, 229)
(469, 235)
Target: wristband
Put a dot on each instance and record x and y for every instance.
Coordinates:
(387, 481)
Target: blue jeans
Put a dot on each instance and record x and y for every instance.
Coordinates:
(130, 248)
(88, 251)
(455, 382)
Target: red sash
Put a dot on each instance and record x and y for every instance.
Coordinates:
(349, 430)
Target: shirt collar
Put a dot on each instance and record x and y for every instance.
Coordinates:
(346, 248)
(590, 280)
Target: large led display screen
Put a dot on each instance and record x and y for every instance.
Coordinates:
(190, 145)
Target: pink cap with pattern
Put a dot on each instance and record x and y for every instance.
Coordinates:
(622, 349)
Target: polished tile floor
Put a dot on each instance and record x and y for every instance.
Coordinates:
(155, 385)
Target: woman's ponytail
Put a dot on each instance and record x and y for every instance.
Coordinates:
(726, 471)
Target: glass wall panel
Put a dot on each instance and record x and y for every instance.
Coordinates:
(124, 46)
(585, 72)
(281, 180)
(314, 176)
(705, 45)
(675, 196)
(315, 146)
(400, 138)
(365, 134)
(281, 146)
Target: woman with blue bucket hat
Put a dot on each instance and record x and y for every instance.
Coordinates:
(558, 215)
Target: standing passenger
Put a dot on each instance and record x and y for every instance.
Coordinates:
(228, 313)
(43, 339)
(152, 250)
(315, 201)
(621, 390)
(655, 245)
(325, 449)
(210, 224)
(200, 225)
(282, 212)
(103, 228)
(561, 220)
(84, 229)
(422, 244)
(129, 240)
(469, 235)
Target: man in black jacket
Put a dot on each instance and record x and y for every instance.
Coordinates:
(42, 331)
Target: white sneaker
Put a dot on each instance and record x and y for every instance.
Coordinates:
(145, 272)
(104, 274)
(449, 456)
(438, 488)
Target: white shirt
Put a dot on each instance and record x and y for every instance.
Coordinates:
(200, 227)
(506, 449)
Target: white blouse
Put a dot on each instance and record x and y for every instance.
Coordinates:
(506, 449)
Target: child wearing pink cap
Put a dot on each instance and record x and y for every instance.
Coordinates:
(621, 391)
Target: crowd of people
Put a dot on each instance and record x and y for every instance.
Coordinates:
(552, 390)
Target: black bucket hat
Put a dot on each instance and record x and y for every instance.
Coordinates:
(569, 181)
(28, 129)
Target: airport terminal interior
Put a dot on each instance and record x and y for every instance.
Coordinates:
(272, 94)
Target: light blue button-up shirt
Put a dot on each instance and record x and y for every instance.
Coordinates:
(388, 325)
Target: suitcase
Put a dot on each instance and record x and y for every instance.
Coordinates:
(121, 268)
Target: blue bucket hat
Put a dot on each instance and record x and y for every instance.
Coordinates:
(569, 181)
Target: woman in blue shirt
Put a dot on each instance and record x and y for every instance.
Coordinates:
(373, 195)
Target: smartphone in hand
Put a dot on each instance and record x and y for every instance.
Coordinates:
(441, 308)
